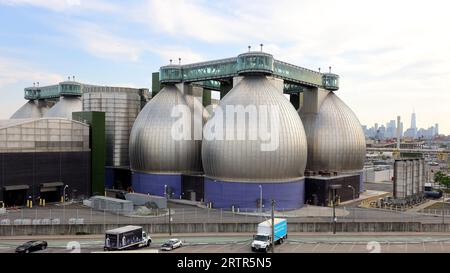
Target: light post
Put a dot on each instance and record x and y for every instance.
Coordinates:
(443, 207)
(272, 216)
(168, 207)
(260, 199)
(354, 191)
(334, 188)
(64, 193)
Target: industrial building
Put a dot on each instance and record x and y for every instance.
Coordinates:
(130, 143)
(39, 157)
(322, 143)
(44, 152)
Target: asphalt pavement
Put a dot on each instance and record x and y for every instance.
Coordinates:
(240, 243)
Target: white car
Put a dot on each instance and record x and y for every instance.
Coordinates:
(172, 244)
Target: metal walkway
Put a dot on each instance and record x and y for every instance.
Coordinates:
(212, 73)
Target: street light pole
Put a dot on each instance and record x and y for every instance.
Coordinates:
(168, 207)
(443, 207)
(334, 188)
(273, 226)
(354, 191)
(64, 192)
(260, 199)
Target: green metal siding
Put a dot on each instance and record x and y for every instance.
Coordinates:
(96, 120)
(155, 83)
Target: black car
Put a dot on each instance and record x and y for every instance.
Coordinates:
(31, 246)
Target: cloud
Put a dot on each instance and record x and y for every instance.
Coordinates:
(65, 5)
(391, 55)
(13, 71)
(173, 53)
(104, 44)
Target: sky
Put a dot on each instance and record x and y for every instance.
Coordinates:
(392, 56)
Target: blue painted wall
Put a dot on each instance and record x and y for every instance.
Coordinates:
(109, 178)
(223, 194)
(154, 183)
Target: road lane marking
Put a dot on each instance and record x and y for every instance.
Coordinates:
(299, 245)
(312, 250)
(351, 248)
(335, 245)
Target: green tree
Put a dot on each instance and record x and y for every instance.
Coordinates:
(442, 179)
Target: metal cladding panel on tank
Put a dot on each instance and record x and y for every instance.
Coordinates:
(65, 107)
(121, 109)
(153, 148)
(224, 194)
(31, 109)
(245, 160)
(336, 141)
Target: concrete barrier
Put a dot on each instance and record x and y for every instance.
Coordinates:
(66, 229)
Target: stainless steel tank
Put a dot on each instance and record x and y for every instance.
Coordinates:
(65, 107)
(121, 107)
(245, 160)
(152, 146)
(336, 141)
(31, 109)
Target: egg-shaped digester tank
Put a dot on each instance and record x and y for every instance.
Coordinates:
(239, 171)
(31, 109)
(159, 156)
(336, 141)
(65, 107)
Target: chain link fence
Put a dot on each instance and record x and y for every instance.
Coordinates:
(80, 215)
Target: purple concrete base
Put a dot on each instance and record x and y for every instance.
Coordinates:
(154, 183)
(223, 194)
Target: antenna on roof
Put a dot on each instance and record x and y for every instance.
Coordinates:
(261, 45)
(179, 60)
(249, 47)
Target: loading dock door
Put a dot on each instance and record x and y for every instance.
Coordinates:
(15, 195)
(51, 191)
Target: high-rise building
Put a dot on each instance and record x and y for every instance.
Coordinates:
(391, 129)
(413, 121)
(436, 129)
(401, 129)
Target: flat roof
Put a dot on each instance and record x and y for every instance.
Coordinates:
(123, 229)
(329, 177)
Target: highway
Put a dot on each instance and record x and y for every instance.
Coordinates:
(240, 243)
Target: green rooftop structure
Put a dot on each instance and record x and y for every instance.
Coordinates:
(212, 74)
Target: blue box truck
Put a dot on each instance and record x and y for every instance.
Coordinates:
(262, 241)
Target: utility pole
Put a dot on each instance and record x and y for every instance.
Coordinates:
(273, 227)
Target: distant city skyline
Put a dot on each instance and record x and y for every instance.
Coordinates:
(388, 130)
